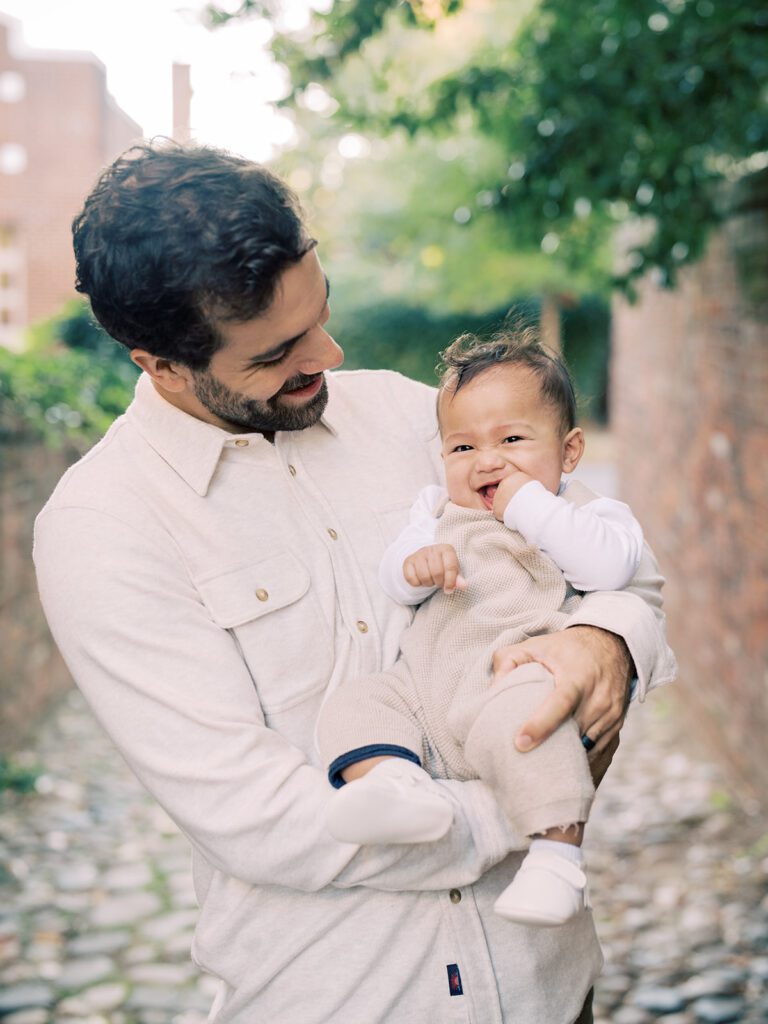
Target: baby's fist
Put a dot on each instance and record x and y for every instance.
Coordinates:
(436, 565)
(506, 491)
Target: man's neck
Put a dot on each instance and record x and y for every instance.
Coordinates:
(192, 406)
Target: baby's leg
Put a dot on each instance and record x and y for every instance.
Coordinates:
(371, 740)
(546, 793)
(394, 801)
(361, 768)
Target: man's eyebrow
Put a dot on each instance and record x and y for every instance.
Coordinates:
(278, 350)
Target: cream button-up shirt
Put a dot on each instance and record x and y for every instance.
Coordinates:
(206, 589)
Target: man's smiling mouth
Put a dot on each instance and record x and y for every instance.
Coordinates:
(305, 387)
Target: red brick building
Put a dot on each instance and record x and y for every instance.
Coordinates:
(58, 127)
(690, 414)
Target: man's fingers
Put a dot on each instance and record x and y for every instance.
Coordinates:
(600, 717)
(599, 760)
(506, 659)
(553, 711)
(603, 731)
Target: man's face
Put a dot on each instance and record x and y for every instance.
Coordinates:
(268, 375)
(497, 424)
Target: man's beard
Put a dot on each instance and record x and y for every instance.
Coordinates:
(253, 414)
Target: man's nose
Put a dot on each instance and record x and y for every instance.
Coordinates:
(319, 352)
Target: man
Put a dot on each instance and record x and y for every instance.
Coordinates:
(209, 572)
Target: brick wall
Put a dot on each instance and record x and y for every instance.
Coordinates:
(68, 128)
(690, 413)
(32, 674)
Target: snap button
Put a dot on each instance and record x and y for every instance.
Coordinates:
(455, 896)
(362, 626)
(241, 442)
(332, 533)
(262, 594)
(291, 469)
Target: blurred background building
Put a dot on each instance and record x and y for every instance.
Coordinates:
(58, 127)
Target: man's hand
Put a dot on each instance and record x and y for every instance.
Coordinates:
(600, 760)
(592, 669)
(436, 565)
(506, 491)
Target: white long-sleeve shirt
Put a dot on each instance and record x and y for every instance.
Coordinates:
(597, 546)
(205, 589)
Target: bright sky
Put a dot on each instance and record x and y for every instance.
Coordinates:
(233, 77)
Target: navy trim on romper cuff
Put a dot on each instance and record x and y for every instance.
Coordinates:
(362, 754)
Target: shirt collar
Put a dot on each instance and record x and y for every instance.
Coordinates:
(191, 447)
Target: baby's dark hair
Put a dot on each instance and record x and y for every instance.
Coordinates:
(469, 356)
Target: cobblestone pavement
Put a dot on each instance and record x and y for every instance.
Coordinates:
(98, 909)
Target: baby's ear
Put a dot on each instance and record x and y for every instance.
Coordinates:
(573, 449)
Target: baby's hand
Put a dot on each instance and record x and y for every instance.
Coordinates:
(434, 566)
(506, 491)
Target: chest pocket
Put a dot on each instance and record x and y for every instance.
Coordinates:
(269, 608)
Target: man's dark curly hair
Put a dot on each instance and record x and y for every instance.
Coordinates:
(469, 356)
(174, 238)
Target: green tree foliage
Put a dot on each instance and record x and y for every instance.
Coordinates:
(602, 111)
(69, 385)
(409, 338)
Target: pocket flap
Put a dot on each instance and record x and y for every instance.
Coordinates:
(253, 590)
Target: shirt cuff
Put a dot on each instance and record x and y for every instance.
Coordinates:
(526, 510)
(627, 616)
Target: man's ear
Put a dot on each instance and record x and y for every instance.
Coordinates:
(169, 376)
(573, 449)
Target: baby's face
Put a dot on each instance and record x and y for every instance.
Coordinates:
(496, 425)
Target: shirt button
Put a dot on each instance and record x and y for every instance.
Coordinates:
(241, 442)
(292, 470)
(332, 533)
(455, 896)
(262, 594)
(362, 626)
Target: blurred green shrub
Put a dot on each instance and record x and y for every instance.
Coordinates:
(18, 778)
(408, 339)
(74, 380)
(586, 336)
(69, 385)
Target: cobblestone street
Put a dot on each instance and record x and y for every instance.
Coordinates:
(98, 910)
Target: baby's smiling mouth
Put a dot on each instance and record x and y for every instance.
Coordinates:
(487, 493)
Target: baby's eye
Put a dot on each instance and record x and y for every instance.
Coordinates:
(512, 438)
(463, 448)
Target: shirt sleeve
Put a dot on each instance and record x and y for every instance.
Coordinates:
(597, 545)
(419, 533)
(635, 614)
(172, 691)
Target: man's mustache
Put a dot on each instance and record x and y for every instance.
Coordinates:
(301, 380)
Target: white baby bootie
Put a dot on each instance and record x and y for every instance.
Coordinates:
(396, 802)
(549, 888)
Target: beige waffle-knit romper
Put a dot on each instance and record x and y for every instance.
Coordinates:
(439, 700)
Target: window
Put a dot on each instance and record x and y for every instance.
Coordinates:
(12, 87)
(13, 158)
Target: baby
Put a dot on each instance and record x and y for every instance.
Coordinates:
(504, 552)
